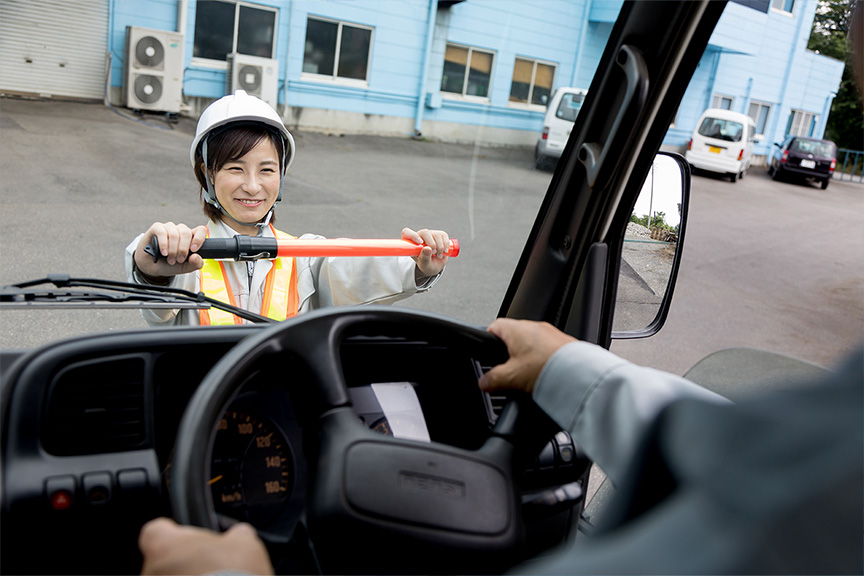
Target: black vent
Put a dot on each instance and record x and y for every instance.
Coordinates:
(497, 401)
(97, 407)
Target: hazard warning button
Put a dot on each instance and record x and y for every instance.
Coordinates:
(60, 491)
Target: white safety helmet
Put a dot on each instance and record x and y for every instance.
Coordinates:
(239, 107)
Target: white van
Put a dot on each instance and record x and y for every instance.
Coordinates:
(722, 142)
(560, 115)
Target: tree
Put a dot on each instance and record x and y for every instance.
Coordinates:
(829, 37)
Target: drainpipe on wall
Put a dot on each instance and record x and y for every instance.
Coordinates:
(823, 121)
(421, 89)
(109, 55)
(586, 12)
(182, 15)
(789, 65)
(182, 22)
(713, 79)
(747, 96)
(290, 9)
(111, 8)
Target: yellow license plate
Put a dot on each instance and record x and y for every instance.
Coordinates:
(715, 149)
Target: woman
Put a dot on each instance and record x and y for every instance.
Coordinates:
(240, 155)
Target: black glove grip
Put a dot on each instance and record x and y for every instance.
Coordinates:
(240, 247)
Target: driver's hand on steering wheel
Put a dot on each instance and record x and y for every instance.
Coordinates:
(169, 548)
(530, 345)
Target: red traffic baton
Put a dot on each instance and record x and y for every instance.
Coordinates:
(245, 248)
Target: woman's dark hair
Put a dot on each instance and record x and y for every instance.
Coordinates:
(228, 145)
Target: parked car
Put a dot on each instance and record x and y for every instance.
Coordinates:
(804, 158)
(561, 113)
(263, 423)
(722, 142)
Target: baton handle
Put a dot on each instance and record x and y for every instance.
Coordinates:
(244, 248)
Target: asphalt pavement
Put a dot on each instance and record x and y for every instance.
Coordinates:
(766, 264)
(81, 181)
(777, 266)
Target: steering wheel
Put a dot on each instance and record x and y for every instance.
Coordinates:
(374, 503)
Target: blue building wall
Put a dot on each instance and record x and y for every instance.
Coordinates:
(753, 55)
(202, 82)
(534, 29)
(762, 57)
(398, 44)
(597, 34)
(156, 14)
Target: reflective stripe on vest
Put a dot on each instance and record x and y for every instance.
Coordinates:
(280, 301)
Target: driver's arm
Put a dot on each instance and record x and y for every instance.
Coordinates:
(605, 402)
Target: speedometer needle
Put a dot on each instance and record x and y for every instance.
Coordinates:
(214, 480)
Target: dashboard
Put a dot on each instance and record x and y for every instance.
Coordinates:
(90, 427)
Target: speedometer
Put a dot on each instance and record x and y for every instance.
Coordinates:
(252, 469)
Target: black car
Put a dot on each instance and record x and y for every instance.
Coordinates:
(279, 426)
(804, 158)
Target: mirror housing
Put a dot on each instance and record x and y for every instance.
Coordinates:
(651, 250)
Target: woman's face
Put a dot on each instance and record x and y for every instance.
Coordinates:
(248, 187)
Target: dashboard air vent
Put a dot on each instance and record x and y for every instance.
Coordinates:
(496, 401)
(97, 407)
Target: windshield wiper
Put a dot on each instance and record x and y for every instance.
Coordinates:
(110, 294)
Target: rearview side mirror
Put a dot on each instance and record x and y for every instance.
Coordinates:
(651, 251)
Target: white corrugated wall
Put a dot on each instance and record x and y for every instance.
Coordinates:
(54, 47)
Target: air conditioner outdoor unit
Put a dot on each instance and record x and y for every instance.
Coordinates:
(257, 76)
(153, 70)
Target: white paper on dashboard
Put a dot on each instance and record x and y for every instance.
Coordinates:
(401, 406)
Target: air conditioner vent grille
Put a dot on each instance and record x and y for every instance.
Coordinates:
(153, 70)
(148, 89)
(149, 52)
(253, 74)
(249, 78)
(97, 407)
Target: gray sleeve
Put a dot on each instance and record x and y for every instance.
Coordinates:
(606, 402)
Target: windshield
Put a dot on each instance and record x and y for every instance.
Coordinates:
(815, 147)
(400, 118)
(721, 129)
(569, 107)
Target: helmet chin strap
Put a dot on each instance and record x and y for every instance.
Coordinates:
(260, 224)
(213, 201)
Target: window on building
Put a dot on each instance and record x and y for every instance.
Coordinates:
(801, 123)
(337, 49)
(223, 27)
(783, 5)
(467, 71)
(722, 101)
(532, 82)
(759, 112)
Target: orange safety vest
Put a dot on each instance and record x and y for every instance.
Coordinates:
(281, 300)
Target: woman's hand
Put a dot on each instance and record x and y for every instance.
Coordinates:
(433, 257)
(169, 548)
(530, 345)
(176, 241)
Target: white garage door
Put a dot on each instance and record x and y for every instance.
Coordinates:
(54, 47)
